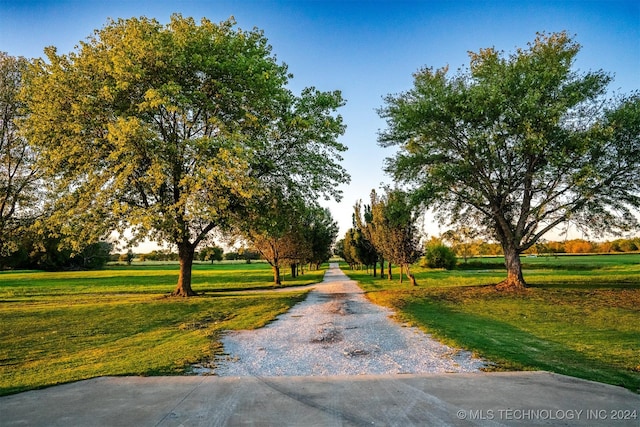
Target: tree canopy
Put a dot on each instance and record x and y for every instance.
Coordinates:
(288, 230)
(385, 229)
(394, 231)
(518, 145)
(18, 171)
(167, 130)
(363, 238)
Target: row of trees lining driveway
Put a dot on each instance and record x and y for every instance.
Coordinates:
(173, 132)
(179, 131)
(385, 229)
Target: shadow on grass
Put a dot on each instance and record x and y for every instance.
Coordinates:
(511, 348)
(624, 283)
(475, 265)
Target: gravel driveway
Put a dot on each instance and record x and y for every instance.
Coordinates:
(337, 331)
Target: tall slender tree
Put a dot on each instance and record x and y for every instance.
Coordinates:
(320, 232)
(363, 223)
(395, 232)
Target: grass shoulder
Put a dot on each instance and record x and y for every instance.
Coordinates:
(68, 326)
(581, 321)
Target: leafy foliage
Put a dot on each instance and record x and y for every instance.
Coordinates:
(168, 130)
(363, 236)
(211, 253)
(518, 145)
(320, 232)
(440, 256)
(394, 230)
(41, 252)
(19, 176)
(288, 231)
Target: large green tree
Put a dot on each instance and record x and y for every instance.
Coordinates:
(518, 145)
(168, 129)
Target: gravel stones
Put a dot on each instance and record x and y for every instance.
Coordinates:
(337, 331)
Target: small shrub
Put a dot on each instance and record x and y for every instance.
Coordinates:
(439, 256)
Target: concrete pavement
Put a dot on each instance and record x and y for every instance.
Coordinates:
(484, 399)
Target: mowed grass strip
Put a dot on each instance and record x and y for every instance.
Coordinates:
(145, 279)
(62, 327)
(582, 321)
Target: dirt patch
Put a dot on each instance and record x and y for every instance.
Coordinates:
(327, 335)
(355, 352)
(339, 307)
(338, 303)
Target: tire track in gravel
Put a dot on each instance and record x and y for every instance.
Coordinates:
(337, 331)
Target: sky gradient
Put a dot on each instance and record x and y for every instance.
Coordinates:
(366, 49)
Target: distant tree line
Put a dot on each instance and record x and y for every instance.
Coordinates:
(466, 247)
(451, 247)
(581, 246)
(47, 254)
(208, 253)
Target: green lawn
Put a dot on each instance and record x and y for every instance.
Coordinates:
(61, 327)
(580, 316)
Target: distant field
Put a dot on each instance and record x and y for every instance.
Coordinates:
(61, 327)
(580, 317)
(591, 261)
(149, 278)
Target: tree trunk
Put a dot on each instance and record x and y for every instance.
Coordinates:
(294, 271)
(401, 273)
(515, 279)
(389, 274)
(186, 253)
(276, 275)
(411, 277)
(375, 272)
(381, 267)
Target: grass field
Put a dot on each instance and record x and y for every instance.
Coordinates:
(68, 326)
(580, 316)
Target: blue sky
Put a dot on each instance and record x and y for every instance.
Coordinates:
(366, 49)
